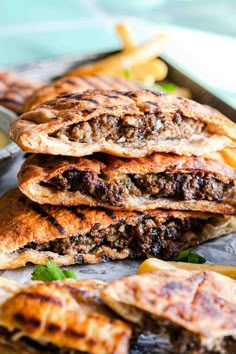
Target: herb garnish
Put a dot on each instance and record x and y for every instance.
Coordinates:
(189, 257)
(127, 73)
(51, 272)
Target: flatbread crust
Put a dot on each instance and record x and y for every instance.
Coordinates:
(42, 168)
(68, 314)
(76, 84)
(201, 304)
(34, 131)
(14, 90)
(23, 222)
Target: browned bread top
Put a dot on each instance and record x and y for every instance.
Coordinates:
(68, 314)
(129, 124)
(14, 90)
(75, 84)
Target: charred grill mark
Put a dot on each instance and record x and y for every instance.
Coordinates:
(10, 100)
(102, 79)
(53, 328)
(38, 209)
(65, 95)
(20, 318)
(88, 82)
(124, 84)
(157, 93)
(152, 103)
(110, 96)
(70, 81)
(130, 107)
(74, 211)
(79, 98)
(110, 214)
(86, 111)
(73, 333)
(131, 94)
(41, 298)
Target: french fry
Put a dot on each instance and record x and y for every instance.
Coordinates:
(216, 156)
(147, 73)
(155, 68)
(126, 59)
(154, 264)
(230, 156)
(125, 36)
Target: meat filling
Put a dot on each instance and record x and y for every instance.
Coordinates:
(142, 236)
(186, 342)
(131, 129)
(115, 191)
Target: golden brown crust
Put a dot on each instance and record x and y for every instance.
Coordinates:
(13, 91)
(75, 84)
(22, 222)
(69, 314)
(33, 130)
(41, 168)
(202, 303)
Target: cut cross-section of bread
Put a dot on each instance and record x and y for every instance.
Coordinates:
(129, 124)
(157, 181)
(30, 232)
(196, 310)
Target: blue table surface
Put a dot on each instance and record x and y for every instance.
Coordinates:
(203, 31)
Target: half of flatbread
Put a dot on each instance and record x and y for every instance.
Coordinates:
(158, 181)
(14, 90)
(76, 84)
(61, 317)
(196, 310)
(30, 232)
(128, 124)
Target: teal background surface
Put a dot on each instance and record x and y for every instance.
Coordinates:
(38, 29)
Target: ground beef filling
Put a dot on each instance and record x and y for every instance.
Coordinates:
(184, 341)
(142, 235)
(131, 129)
(115, 191)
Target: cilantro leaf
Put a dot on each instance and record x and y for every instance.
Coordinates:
(127, 73)
(51, 272)
(189, 257)
(69, 274)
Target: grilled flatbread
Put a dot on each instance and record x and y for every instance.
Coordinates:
(30, 232)
(128, 124)
(61, 317)
(76, 84)
(13, 91)
(158, 181)
(197, 310)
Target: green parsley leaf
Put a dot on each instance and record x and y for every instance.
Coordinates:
(127, 73)
(51, 272)
(164, 86)
(189, 257)
(168, 86)
(69, 274)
